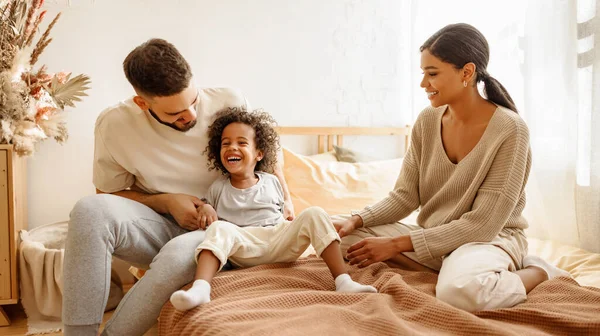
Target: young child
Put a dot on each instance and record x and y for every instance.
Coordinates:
(243, 213)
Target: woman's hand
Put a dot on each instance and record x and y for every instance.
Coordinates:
(206, 215)
(371, 250)
(345, 226)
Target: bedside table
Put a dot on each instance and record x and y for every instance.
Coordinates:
(13, 214)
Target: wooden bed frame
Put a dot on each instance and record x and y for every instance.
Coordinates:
(328, 134)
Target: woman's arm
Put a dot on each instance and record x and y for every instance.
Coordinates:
(404, 199)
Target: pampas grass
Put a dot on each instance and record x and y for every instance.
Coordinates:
(44, 41)
(31, 102)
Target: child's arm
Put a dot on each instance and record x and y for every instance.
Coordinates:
(289, 207)
(207, 212)
(280, 199)
(206, 216)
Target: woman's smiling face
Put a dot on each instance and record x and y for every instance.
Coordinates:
(442, 82)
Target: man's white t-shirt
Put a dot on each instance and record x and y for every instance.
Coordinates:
(133, 148)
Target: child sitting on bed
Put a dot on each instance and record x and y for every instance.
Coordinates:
(243, 213)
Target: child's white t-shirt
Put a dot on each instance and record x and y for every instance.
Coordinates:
(131, 147)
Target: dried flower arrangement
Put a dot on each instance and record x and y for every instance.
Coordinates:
(31, 102)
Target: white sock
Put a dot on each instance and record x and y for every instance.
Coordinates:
(198, 294)
(345, 284)
(551, 270)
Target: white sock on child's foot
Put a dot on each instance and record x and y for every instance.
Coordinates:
(551, 270)
(198, 294)
(344, 283)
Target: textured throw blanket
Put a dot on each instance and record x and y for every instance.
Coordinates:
(298, 299)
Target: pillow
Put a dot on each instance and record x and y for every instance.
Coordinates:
(343, 154)
(324, 157)
(338, 187)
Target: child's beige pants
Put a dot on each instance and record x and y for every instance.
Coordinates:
(284, 242)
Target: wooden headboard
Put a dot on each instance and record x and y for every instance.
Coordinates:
(328, 134)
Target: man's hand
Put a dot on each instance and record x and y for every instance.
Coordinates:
(206, 216)
(184, 209)
(288, 210)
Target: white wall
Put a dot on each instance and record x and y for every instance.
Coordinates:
(308, 62)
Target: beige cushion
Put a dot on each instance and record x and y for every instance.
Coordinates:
(337, 187)
(325, 157)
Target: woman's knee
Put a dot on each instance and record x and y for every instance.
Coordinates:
(460, 283)
(474, 293)
(462, 293)
(476, 277)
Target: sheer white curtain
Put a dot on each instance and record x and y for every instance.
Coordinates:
(543, 52)
(588, 148)
(551, 108)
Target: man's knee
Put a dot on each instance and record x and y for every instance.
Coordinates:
(91, 213)
(176, 259)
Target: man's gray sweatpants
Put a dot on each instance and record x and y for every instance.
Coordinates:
(105, 225)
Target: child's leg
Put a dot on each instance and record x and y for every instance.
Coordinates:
(314, 225)
(332, 255)
(208, 266)
(199, 293)
(222, 240)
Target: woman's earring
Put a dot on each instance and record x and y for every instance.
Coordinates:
(465, 83)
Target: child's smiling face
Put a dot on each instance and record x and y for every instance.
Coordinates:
(239, 154)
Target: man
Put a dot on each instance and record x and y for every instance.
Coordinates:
(150, 175)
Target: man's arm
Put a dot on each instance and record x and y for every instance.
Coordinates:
(182, 207)
(157, 202)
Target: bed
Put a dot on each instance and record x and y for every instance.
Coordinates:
(298, 298)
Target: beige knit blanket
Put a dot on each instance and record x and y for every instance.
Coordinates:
(298, 299)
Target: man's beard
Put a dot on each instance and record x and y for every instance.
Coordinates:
(188, 127)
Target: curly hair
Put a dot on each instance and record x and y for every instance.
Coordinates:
(266, 138)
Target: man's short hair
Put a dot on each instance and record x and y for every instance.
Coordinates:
(157, 69)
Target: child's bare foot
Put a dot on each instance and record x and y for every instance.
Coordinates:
(198, 294)
(343, 283)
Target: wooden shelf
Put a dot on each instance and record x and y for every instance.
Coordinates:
(13, 212)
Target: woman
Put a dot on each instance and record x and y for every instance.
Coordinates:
(466, 169)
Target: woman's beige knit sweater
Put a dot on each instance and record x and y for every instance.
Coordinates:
(471, 201)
